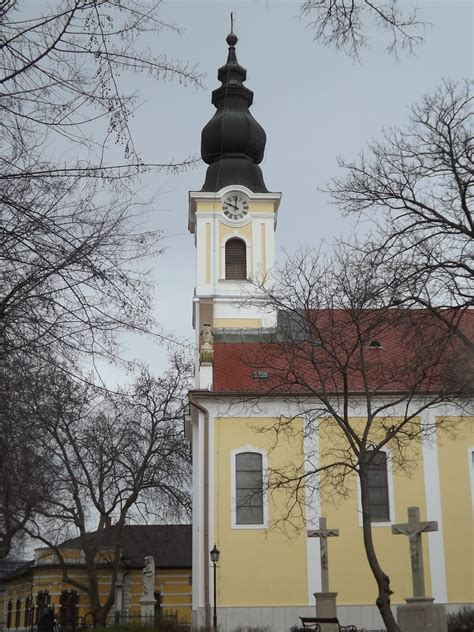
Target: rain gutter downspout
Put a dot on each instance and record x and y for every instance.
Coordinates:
(207, 601)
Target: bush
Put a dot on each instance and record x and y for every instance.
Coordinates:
(461, 621)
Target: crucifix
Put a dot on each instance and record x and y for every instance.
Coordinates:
(413, 529)
(323, 533)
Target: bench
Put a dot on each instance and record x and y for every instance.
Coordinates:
(314, 623)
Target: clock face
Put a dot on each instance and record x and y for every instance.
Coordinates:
(235, 206)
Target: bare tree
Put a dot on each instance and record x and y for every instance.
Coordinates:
(70, 279)
(73, 237)
(344, 23)
(70, 231)
(340, 346)
(116, 458)
(417, 184)
(62, 73)
(26, 476)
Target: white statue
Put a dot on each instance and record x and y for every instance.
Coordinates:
(207, 337)
(149, 577)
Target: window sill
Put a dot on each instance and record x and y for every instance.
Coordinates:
(234, 280)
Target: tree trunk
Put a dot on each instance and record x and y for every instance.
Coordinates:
(101, 616)
(383, 581)
(99, 611)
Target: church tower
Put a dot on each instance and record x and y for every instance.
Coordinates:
(233, 218)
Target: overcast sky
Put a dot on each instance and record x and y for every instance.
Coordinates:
(314, 102)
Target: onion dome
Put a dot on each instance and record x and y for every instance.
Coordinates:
(233, 142)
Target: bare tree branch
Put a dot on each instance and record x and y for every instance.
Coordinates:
(417, 184)
(344, 24)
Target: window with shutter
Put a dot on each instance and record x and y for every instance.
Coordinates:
(9, 614)
(235, 259)
(378, 489)
(43, 601)
(69, 604)
(28, 612)
(18, 613)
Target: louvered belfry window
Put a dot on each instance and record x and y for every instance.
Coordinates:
(235, 259)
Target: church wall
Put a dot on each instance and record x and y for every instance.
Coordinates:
(355, 583)
(237, 323)
(267, 576)
(250, 556)
(356, 587)
(457, 502)
(204, 249)
(262, 206)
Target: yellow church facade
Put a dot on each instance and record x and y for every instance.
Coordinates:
(270, 568)
(268, 573)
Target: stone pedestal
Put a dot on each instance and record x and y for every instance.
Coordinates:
(420, 614)
(326, 608)
(147, 610)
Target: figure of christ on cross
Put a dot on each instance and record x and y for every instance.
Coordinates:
(413, 529)
(323, 533)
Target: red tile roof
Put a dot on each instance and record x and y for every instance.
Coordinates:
(394, 350)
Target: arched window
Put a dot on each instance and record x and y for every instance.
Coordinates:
(378, 489)
(249, 488)
(235, 259)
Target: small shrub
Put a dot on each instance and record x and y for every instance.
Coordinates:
(461, 621)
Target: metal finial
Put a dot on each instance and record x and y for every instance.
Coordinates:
(232, 38)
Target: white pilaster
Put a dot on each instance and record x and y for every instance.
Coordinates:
(198, 512)
(313, 553)
(433, 510)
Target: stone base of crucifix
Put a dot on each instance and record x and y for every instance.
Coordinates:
(326, 609)
(420, 614)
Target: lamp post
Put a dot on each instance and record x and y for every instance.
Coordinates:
(215, 553)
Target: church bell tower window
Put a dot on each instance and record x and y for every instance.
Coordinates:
(235, 259)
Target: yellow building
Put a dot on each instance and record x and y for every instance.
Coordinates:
(269, 569)
(28, 592)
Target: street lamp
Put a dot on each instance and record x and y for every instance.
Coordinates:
(215, 553)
